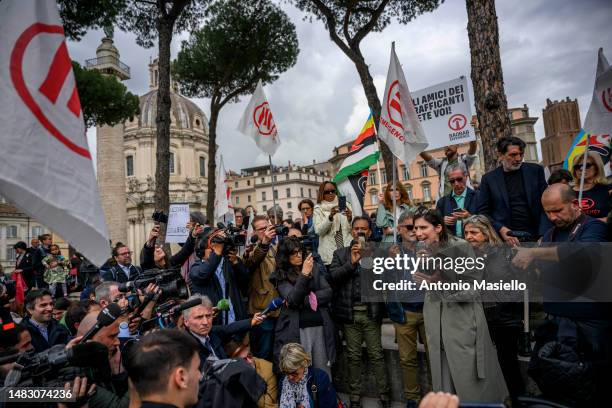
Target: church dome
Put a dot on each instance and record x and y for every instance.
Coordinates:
(184, 114)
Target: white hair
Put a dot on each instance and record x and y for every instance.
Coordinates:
(206, 302)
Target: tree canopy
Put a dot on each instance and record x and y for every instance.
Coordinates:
(104, 100)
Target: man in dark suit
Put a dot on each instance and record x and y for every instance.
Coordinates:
(123, 271)
(510, 194)
(24, 263)
(460, 203)
(45, 331)
(212, 338)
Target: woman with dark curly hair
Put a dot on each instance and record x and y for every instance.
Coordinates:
(306, 319)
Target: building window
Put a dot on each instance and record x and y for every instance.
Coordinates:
(248, 182)
(409, 191)
(235, 184)
(302, 192)
(383, 177)
(426, 191)
(275, 179)
(424, 169)
(374, 197)
(263, 196)
(237, 200)
(288, 192)
(249, 198)
(171, 163)
(265, 208)
(263, 180)
(202, 166)
(11, 254)
(405, 173)
(11, 231)
(129, 166)
(276, 194)
(287, 176)
(372, 178)
(36, 231)
(289, 204)
(309, 193)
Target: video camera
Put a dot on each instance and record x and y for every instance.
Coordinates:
(159, 217)
(170, 282)
(308, 244)
(58, 365)
(234, 237)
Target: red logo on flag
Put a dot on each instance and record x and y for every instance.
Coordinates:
(394, 108)
(60, 68)
(606, 99)
(262, 117)
(457, 122)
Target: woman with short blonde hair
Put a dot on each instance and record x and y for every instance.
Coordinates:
(596, 193)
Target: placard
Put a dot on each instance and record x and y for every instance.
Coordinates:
(176, 231)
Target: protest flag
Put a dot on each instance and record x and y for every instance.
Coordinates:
(399, 125)
(223, 204)
(46, 168)
(353, 172)
(258, 122)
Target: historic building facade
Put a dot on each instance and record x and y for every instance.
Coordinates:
(561, 125)
(127, 158)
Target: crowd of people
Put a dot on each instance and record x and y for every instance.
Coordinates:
(288, 356)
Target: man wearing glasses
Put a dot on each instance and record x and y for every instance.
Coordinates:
(460, 203)
(123, 271)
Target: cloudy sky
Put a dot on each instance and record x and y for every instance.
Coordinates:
(548, 50)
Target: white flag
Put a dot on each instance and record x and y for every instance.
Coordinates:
(258, 123)
(222, 203)
(399, 125)
(45, 163)
(599, 117)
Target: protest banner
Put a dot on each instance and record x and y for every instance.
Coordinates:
(445, 113)
(177, 231)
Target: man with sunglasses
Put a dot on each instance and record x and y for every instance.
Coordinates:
(451, 157)
(460, 203)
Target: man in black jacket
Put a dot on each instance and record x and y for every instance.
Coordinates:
(24, 263)
(460, 203)
(212, 338)
(218, 275)
(124, 271)
(360, 321)
(45, 331)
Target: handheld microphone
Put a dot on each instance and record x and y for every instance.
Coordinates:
(107, 316)
(184, 306)
(274, 305)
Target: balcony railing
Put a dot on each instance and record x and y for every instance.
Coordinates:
(107, 60)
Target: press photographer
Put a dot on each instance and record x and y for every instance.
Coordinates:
(261, 262)
(218, 273)
(123, 271)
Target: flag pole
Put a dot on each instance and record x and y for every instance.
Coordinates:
(380, 187)
(394, 189)
(584, 161)
(273, 189)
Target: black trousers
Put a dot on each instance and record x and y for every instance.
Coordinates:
(506, 342)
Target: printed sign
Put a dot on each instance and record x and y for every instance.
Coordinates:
(177, 231)
(445, 112)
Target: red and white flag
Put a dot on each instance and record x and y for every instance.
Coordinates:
(45, 165)
(258, 123)
(223, 203)
(598, 120)
(399, 125)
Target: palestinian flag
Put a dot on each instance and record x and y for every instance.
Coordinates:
(353, 172)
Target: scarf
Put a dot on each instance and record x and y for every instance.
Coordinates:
(337, 223)
(295, 394)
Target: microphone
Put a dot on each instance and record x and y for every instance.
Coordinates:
(184, 306)
(107, 316)
(274, 305)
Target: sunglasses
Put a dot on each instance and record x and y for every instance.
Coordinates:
(329, 192)
(456, 180)
(409, 227)
(579, 166)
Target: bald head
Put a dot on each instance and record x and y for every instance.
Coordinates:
(561, 193)
(88, 322)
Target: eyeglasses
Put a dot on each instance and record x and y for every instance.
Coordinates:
(296, 253)
(125, 253)
(455, 180)
(329, 192)
(409, 227)
(579, 166)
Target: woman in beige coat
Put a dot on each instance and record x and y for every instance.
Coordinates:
(332, 226)
(462, 357)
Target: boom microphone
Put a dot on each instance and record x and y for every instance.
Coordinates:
(107, 316)
(184, 306)
(274, 305)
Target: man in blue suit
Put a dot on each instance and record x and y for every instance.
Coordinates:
(510, 195)
(460, 203)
